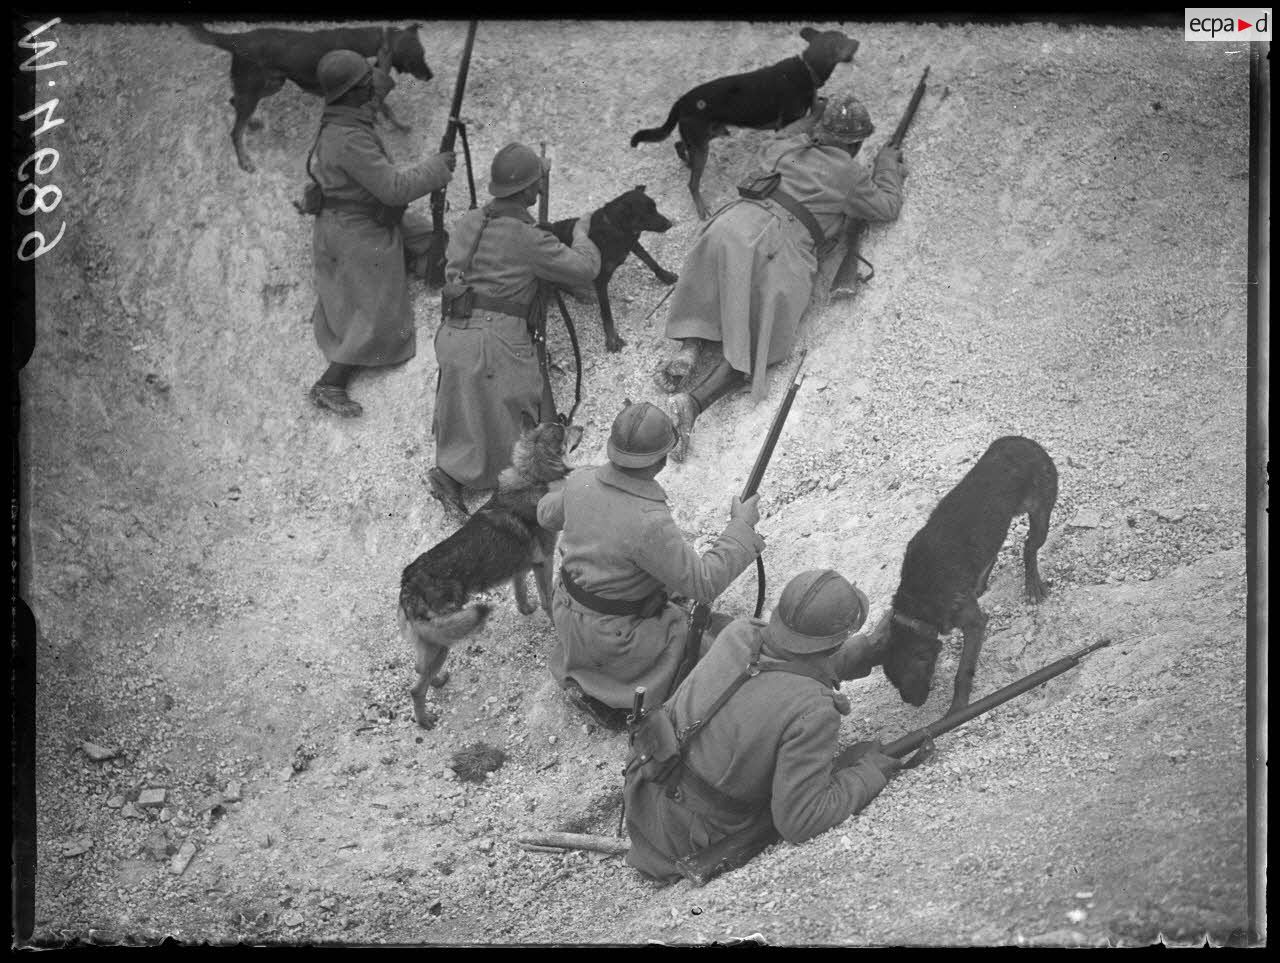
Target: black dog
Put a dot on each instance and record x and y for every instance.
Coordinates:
(615, 230)
(263, 59)
(949, 560)
(768, 98)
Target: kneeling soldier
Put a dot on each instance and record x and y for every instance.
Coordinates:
(621, 553)
(715, 761)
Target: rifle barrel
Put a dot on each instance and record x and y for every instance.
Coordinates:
(775, 431)
(459, 89)
(900, 134)
(912, 740)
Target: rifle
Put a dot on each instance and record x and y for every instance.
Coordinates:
(538, 317)
(841, 281)
(737, 850)
(439, 236)
(700, 616)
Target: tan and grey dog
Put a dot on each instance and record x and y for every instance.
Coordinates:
(501, 541)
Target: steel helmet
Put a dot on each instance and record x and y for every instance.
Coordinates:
(514, 168)
(340, 70)
(846, 119)
(642, 435)
(816, 613)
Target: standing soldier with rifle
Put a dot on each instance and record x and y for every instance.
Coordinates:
(489, 372)
(749, 276)
(363, 316)
(621, 554)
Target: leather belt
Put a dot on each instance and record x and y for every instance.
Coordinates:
(482, 302)
(600, 604)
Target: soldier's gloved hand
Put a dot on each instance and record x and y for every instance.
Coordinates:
(869, 750)
(894, 154)
(581, 226)
(748, 511)
(450, 159)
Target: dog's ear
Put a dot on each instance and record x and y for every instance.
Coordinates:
(527, 421)
(808, 33)
(640, 187)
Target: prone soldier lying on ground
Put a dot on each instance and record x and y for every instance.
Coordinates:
(749, 276)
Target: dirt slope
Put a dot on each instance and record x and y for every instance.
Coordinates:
(213, 563)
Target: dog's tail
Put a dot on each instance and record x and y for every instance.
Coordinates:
(445, 631)
(658, 133)
(225, 41)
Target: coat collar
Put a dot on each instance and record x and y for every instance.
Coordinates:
(506, 207)
(362, 116)
(608, 474)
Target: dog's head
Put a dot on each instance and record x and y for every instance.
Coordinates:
(538, 454)
(826, 49)
(635, 210)
(407, 55)
(909, 659)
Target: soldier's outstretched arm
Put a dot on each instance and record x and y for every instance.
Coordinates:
(665, 555)
(394, 186)
(809, 795)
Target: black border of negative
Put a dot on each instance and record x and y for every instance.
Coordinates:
(22, 344)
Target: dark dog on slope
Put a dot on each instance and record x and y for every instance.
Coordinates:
(615, 230)
(948, 562)
(768, 98)
(263, 59)
(501, 541)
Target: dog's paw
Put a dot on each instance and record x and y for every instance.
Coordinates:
(667, 277)
(440, 679)
(483, 611)
(247, 165)
(1037, 591)
(255, 123)
(615, 343)
(528, 608)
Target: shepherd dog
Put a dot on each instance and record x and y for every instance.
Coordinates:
(501, 541)
(948, 562)
(766, 99)
(263, 59)
(615, 230)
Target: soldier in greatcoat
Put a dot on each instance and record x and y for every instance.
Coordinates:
(621, 554)
(770, 751)
(489, 374)
(749, 276)
(362, 317)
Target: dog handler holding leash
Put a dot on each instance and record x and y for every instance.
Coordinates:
(363, 316)
(749, 276)
(489, 372)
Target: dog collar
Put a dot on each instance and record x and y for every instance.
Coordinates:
(812, 74)
(916, 626)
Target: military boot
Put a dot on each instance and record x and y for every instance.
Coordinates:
(335, 399)
(447, 491)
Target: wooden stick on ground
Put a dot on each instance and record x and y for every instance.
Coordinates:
(599, 844)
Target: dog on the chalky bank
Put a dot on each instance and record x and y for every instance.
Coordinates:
(501, 541)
